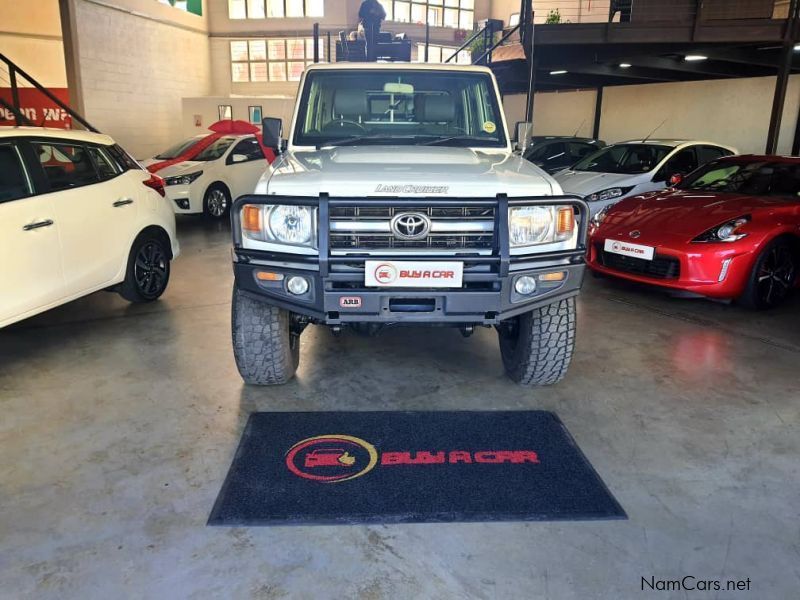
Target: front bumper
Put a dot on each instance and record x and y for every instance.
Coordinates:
(181, 199)
(719, 271)
(337, 293)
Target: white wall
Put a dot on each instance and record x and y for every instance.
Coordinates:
(734, 112)
(138, 59)
(207, 107)
(30, 35)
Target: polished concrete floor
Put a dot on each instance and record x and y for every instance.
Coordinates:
(119, 423)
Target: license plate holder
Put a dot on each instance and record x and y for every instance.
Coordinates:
(413, 274)
(629, 249)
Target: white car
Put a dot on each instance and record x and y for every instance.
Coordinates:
(207, 184)
(635, 167)
(78, 215)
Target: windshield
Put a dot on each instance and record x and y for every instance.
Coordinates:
(628, 159)
(178, 149)
(216, 150)
(446, 108)
(759, 178)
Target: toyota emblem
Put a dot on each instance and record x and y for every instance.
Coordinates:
(411, 226)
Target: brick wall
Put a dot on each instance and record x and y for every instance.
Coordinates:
(136, 68)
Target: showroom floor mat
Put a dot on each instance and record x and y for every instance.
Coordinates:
(405, 467)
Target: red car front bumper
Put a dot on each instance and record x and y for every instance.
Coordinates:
(712, 270)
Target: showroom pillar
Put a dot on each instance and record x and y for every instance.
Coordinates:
(782, 82)
(69, 33)
(598, 112)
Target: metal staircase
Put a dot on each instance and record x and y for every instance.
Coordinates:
(15, 79)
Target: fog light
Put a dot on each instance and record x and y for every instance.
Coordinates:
(297, 285)
(182, 203)
(525, 285)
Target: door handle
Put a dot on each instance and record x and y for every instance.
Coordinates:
(38, 225)
(122, 202)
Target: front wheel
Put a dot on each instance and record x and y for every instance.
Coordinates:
(148, 270)
(266, 349)
(773, 276)
(537, 346)
(217, 202)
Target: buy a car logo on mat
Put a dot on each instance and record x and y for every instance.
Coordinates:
(336, 458)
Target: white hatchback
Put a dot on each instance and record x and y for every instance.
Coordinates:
(630, 168)
(225, 170)
(77, 215)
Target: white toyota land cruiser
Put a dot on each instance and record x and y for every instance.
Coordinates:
(398, 201)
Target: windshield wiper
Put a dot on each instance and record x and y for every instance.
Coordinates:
(389, 139)
(454, 138)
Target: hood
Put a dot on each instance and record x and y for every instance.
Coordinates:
(377, 171)
(583, 183)
(182, 168)
(683, 214)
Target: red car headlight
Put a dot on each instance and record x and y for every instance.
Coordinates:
(729, 231)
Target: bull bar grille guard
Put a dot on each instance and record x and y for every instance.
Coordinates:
(501, 257)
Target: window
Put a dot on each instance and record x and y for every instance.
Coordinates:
(708, 153)
(248, 147)
(225, 112)
(439, 54)
(458, 14)
(629, 159)
(255, 114)
(178, 149)
(14, 183)
(66, 166)
(105, 167)
(456, 109)
(683, 163)
(275, 9)
(215, 150)
(271, 59)
(123, 159)
(757, 178)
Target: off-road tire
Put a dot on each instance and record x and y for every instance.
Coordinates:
(755, 296)
(149, 256)
(266, 351)
(537, 346)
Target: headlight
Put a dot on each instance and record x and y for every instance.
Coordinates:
(601, 216)
(280, 224)
(608, 194)
(182, 179)
(727, 232)
(530, 225)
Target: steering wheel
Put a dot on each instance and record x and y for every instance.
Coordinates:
(335, 124)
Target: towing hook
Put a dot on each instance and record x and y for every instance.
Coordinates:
(336, 330)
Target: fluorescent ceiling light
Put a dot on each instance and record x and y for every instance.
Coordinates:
(558, 72)
(624, 65)
(695, 57)
(797, 47)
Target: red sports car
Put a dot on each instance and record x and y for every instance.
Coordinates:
(729, 230)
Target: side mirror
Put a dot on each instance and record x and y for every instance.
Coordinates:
(524, 133)
(675, 179)
(272, 131)
(238, 158)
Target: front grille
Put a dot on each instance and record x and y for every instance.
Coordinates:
(661, 267)
(356, 228)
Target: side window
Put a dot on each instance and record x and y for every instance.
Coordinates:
(708, 153)
(66, 166)
(123, 159)
(14, 183)
(683, 162)
(249, 148)
(579, 151)
(106, 168)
